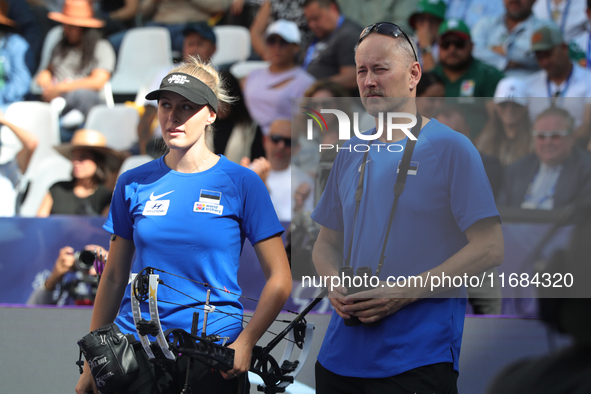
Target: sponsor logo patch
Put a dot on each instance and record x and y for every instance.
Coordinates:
(208, 208)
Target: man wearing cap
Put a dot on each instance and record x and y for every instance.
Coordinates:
(557, 175)
(504, 41)
(558, 80)
(268, 92)
(426, 21)
(330, 54)
(463, 75)
(199, 41)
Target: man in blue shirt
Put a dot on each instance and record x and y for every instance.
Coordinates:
(446, 223)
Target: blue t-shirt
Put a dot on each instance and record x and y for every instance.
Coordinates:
(191, 225)
(448, 193)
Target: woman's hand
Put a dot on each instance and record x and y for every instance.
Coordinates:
(86, 382)
(242, 357)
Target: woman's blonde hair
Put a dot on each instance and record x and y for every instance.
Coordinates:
(206, 73)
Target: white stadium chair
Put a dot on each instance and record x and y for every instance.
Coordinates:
(233, 44)
(144, 50)
(37, 118)
(51, 170)
(243, 68)
(118, 124)
(134, 161)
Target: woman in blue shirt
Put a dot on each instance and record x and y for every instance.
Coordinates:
(188, 213)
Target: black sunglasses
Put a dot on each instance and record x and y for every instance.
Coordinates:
(459, 44)
(387, 29)
(277, 138)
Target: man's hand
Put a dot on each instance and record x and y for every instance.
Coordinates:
(424, 35)
(375, 304)
(259, 165)
(63, 264)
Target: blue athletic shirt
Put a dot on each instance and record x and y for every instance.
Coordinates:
(191, 225)
(449, 192)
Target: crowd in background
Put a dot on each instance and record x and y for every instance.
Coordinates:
(529, 60)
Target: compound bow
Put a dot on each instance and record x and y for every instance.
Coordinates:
(276, 374)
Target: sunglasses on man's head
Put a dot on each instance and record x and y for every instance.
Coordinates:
(458, 43)
(387, 29)
(552, 135)
(276, 40)
(277, 139)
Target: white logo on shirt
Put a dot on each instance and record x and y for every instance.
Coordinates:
(153, 197)
(156, 207)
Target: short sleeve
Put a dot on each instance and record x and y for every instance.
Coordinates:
(259, 218)
(119, 221)
(471, 195)
(329, 210)
(105, 56)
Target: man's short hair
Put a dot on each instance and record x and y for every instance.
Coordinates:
(402, 45)
(564, 114)
(322, 3)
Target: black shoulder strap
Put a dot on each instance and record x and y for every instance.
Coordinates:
(398, 189)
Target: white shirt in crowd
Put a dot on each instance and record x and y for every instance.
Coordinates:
(282, 186)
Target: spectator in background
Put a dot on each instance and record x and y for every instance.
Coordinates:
(330, 54)
(568, 15)
(582, 41)
(558, 79)
(199, 42)
(268, 92)
(557, 175)
(432, 92)
(471, 11)
(371, 11)
(15, 77)
(286, 180)
(505, 41)
(29, 28)
(237, 136)
(175, 14)
(507, 134)
(80, 65)
(70, 281)
(11, 172)
(426, 21)
(118, 15)
(463, 75)
(92, 164)
(272, 10)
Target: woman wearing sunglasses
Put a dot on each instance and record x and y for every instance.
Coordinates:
(188, 213)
